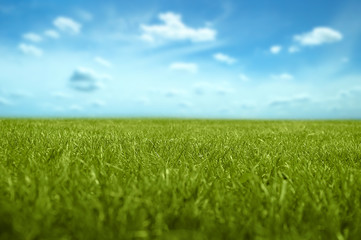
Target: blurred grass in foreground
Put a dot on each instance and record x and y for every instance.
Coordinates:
(180, 179)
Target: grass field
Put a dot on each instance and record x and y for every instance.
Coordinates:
(180, 179)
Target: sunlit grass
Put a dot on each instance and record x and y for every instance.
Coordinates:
(180, 179)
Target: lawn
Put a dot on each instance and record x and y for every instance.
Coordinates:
(179, 179)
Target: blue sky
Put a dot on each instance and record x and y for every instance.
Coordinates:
(202, 59)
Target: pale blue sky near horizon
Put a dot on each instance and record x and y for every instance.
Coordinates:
(194, 59)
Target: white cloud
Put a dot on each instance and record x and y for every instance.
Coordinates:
(33, 37)
(52, 34)
(30, 49)
(87, 80)
(318, 36)
(174, 29)
(293, 49)
(283, 76)
(275, 49)
(182, 66)
(243, 77)
(224, 58)
(103, 62)
(68, 25)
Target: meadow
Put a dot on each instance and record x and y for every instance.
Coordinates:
(179, 179)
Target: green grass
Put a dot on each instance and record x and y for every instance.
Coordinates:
(180, 179)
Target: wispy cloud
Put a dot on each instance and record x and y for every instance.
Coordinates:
(185, 104)
(103, 62)
(52, 34)
(68, 25)
(6, 9)
(174, 29)
(345, 59)
(275, 49)
(19, 94)
(33, 37)
(293, 49)
(224, 58)
(4, 101)
(287, 102)
(350, 93)
(223, 90)
(30, 49)
(143, 100)
(60, 95)
(85, 15)
(201, 88)
(243, 77)
(282, 76)
(98, 103)
(76, 107)
(87, 80)
(174, 93)
(184, 66)
(318, 36)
